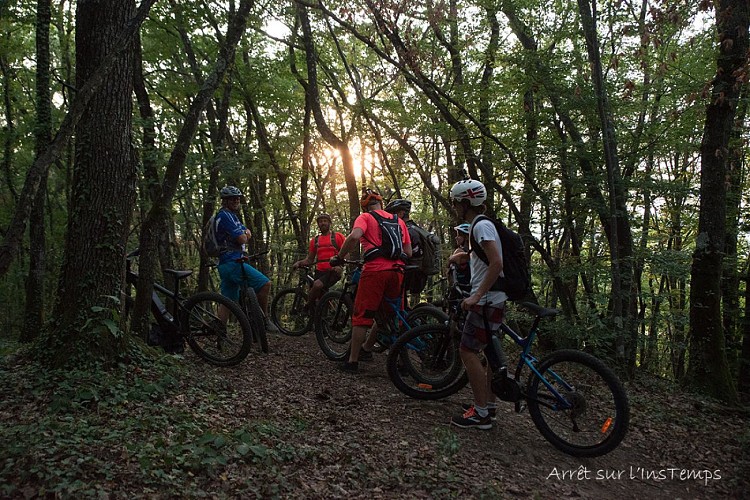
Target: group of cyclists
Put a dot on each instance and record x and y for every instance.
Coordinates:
(388, 241)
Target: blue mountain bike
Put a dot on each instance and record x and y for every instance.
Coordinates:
(576, 401)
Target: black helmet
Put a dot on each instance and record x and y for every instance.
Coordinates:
(398, 204)
(323, 216)
(229, 192)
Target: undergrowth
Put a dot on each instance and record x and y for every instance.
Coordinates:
(84, 432)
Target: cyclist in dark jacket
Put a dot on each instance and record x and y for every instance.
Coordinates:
(414, 280)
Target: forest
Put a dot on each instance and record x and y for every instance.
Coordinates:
(592, 124)
(611, 135)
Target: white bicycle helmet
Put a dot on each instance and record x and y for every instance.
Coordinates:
(463, 228)
(469, 189)
(229, 192)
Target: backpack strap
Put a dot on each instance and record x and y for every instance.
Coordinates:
(334, 244)
(477, 248)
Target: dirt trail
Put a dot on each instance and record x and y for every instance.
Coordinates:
(371, 441)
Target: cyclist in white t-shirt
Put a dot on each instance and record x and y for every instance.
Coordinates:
(485, 307)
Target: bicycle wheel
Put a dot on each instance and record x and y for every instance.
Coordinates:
(424, 363)
(426, 314)
(333, 324)
(288, 312)
(256, 317)
(591, 416)
(208, 337)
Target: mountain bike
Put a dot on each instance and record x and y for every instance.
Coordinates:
(195, 319)
(251, 307)
(576, 401)
(333, 316)
(289, 306)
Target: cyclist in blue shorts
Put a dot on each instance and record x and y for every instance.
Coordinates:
(233, 236)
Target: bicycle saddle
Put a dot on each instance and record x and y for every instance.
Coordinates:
(538, 310)
(178, 274)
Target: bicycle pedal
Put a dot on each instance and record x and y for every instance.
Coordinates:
(520, 407)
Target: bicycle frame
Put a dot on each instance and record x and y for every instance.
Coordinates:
(163, 316)
(527, 359)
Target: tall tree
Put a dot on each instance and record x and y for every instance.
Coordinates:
(85, 93)
(103, 194)
(708, 370)
(34, 317)
(312, 95)
(621, 237)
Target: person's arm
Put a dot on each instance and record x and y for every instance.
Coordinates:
(340, 239)
(406, 240)
(459, 257)
(307, 260)
(244, 237)
(350, 243)
(495, 267)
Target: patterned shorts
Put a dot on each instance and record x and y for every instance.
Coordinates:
(481, 321)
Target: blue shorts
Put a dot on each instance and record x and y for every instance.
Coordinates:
(231, 279)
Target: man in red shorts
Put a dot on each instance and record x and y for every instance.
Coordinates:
(382, 273)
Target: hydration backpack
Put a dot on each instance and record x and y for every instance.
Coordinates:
(517, 281)
(210, 242)
(429, 245)
(392, 247)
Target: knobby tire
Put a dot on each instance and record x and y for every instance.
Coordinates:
(333, 324)
(256, 317)
(218, 344)
(288, 314)
(599, 418)
(424, 363)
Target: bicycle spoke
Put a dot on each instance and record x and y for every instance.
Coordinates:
(580, 406)
(219, 343)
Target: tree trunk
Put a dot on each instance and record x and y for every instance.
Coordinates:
(103, 194)
(312, 94)
(708, 370)
(34, 315)
(621, 239)
(744, 362)
(730, 282)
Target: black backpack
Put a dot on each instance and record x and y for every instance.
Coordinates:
(429, 245)
(517, 281)
(392, 247)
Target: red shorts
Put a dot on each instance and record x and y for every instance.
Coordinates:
(373, 288)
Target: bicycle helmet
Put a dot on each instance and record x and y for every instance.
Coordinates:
(398, 204)
(463, 228)
(323, 216)
(229, 192)
(369, 197)
(469, 189)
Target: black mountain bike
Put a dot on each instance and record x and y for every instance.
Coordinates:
(289, 306)
(251, 307)
(195, 319)
(576, 401)
(333, 318)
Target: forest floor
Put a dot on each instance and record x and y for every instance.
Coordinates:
(288, 424)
